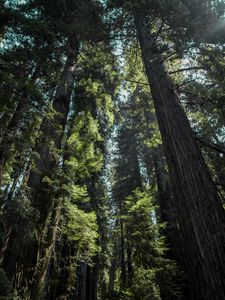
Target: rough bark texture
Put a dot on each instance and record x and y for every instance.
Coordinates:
(38, 254)
(51, 212)
(61, 105)
(200, 213)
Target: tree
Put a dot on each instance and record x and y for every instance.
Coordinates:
(112, 149)
(193, 188)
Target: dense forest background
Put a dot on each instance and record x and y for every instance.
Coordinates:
(112, 149)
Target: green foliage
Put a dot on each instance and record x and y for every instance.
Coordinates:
(98, 84)
(145, 286)
(34, 43)
(143, 227)
(22, 216)
(155, 139)
(81, 228)
(76, 193)
(85, 157)
(154, 276)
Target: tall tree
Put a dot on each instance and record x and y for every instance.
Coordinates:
(195, 194)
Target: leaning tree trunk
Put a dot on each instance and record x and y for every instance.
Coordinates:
(200, 213)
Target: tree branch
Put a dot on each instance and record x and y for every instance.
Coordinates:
(186, 69)
(212, 146)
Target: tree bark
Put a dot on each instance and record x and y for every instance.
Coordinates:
(5, 244)
(123, 262)
(82, 284)
(61, 105)
(200, 213)
(45, 248)
(45, 200)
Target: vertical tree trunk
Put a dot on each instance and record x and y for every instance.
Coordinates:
(93, 282)
(9, 134)
(123, 262)
(88, 283)
(129, 263)
(112, 273)
(167, 207)
(51, 212)
(36, 264)
(82, 284)
(200, 213)
(46, 246)
(5, 244)
(6, 18)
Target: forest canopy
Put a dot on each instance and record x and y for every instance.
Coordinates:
(112, 149)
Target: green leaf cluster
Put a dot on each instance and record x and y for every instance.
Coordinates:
(81, 228)
(85, 158)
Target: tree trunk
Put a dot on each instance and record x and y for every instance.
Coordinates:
(168, 213)
(123, 262)
(92, 290)
(5, 244)
(167, 207)
(82, 284)
(45, 200)
(9, 134)
(61, 105)
(112, 275)
(45, 248)
(200, 213)
(129, 263)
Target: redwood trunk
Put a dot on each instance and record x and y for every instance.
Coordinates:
(200, 213)
(61, 105)
(36, 267)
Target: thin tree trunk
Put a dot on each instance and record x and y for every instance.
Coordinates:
(112, 273)
(5, 244)
(200, 213)
(82, 284)
(123, 263)
(92, 282)
(129, 264)
(45, 253)
(167, 209)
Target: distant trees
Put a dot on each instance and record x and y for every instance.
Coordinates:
(112, 150)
